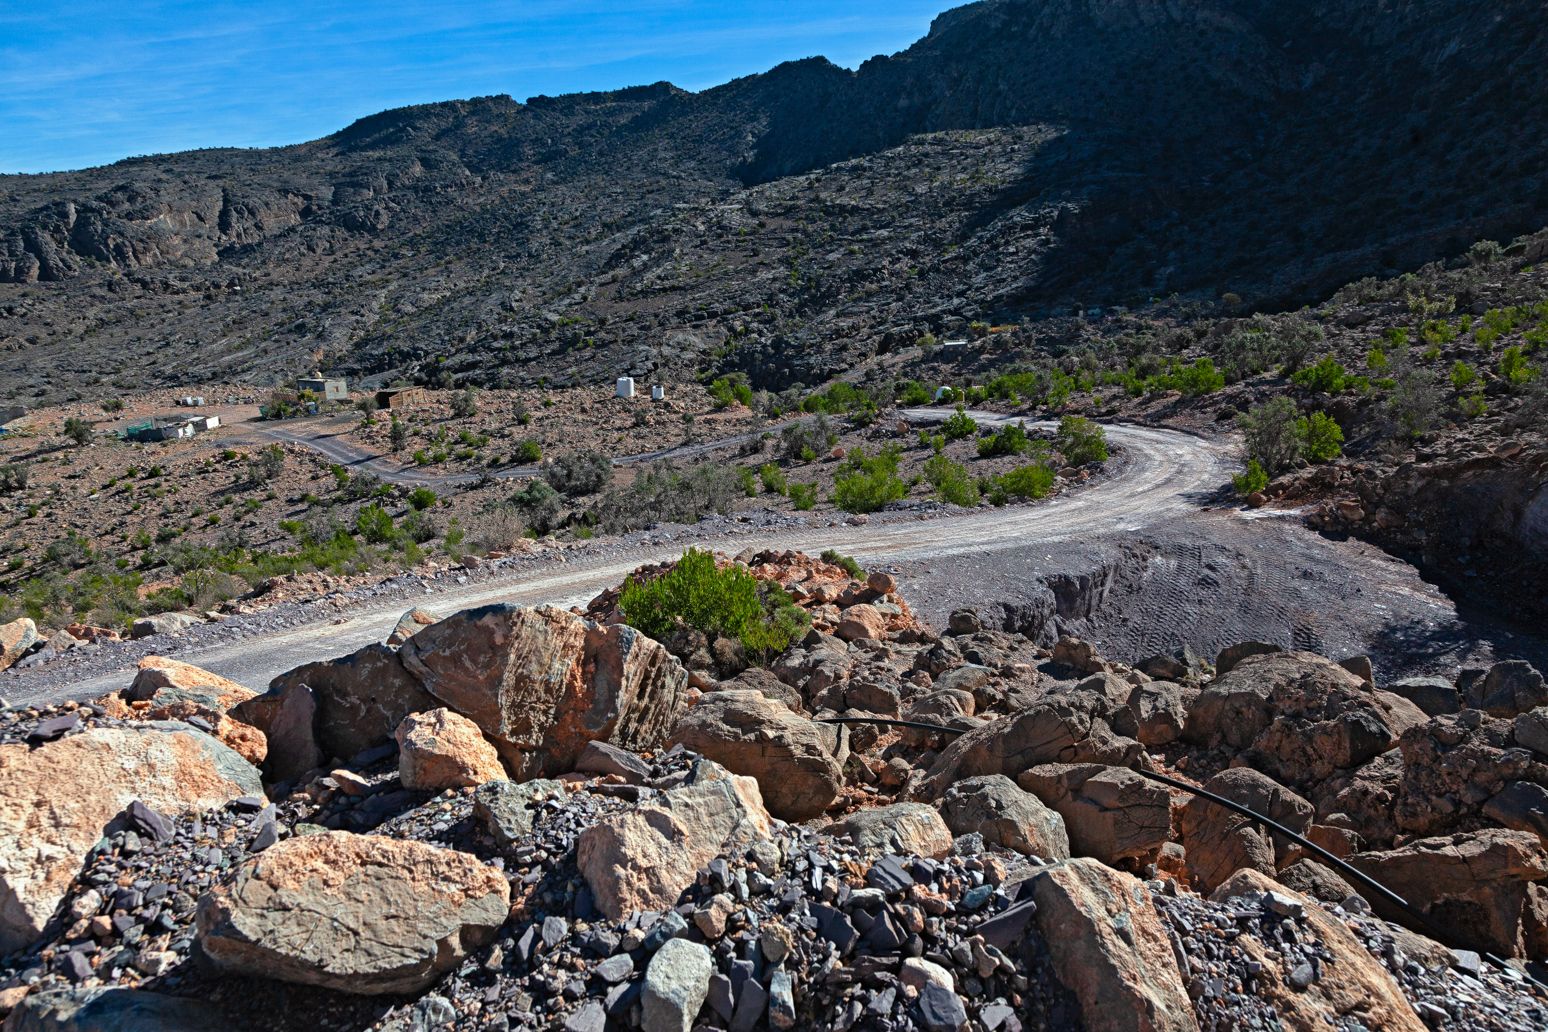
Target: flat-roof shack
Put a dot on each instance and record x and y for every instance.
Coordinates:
(398, 398)
(326, 388)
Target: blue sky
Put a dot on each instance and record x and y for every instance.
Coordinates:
(86, 82)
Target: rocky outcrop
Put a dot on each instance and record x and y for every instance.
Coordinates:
(1219, 842)
(56, 802)
(16, 639)
(798, 764)
(166, 689)
(541, 683)
(994, 807)
(1110, 949)
(644, 858)
(161, 624)
(439, 749)
(357, 913)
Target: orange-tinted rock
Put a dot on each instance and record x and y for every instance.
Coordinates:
(439, 749)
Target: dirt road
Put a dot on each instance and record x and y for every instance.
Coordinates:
(1167, 475)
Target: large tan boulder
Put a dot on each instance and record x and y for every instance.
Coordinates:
(356, 702)
(1110, 950)
(169, 689)
(357, 913)
(644, 858)
(1352, 988)
(56, 802)
(16, 638)
(1219, 842)
(439, 749)
(1298, 717)
(1111, 813)
(798, 763)
(541, 683)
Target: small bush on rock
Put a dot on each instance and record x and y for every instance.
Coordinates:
(727, 602)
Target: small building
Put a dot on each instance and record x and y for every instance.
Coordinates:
(396, 399)
(625, 387)
(326, 388)
(658, 393)
(201, 424)
(163, 429)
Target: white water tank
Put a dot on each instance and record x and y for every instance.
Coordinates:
(626, 386)
(658, 393)
(942, 392)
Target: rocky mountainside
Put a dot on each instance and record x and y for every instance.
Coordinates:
(1022, 158)
(520, 818)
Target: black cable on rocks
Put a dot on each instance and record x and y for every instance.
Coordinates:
(1343, 866)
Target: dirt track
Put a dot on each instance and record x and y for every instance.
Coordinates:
(1149, 570)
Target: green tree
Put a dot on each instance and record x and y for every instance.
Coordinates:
(397, 435)
(1251, 480)
(1320, 436)
(78, 431)
(374, 524)
(1270, 435)
(1328, 376)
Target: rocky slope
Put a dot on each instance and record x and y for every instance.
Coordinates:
(1021, 158)
(531, 818)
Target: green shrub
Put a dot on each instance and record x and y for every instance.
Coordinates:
(577, 474)
(1251, 480)
(266, 465)
(1081, 441)
(805, 442)
(1199, 377)
(727, 602)
(773, 479)
(1010, 439)
(1473, 405)
(1031, 481)
(726, 390)
(421, 498)
(952, 482)
(847, 563)
(1328, 376)
(1322, 440)
(464, 405)
(1270, 433)
(375, 525)
(1514, 368)
(397, 435)
(527, 452)
(667, 494)
(959, 426)
(540, 505)
(803, 497)
(866, 483)
(748, 481)
(1376, 360)
(1463, 375)
(912, 392)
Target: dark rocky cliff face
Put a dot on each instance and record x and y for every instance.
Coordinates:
(1022, 158)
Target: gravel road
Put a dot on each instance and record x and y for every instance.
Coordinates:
(1145, 542)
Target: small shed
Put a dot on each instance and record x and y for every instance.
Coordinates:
(625, 387)
(203, 423)
(396, 399)
(326, 388)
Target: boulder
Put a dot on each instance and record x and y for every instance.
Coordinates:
(861, 621)
(16, 638)
(1480, 885)
(1079, 656)
(1511, 687)
(676, 983)
(1231, 655)
(765, 683)
(439, 749)
(1059, 729)
(799, 764)
(644, 858)
(1111, 813)
(903, 828)
(1110, 950)
(1451, 766)
(1436, 696)
(358, 702)
(108, 1009)
(409, 624)
(1298, 717)
(541, 683)
(356, 913)
(994, 807)
(161, 623)
(1220, 842)
(505, 808)
(1160, 711)
(172, 690)
(1352, 990)
(1531, 730)
(58, 800)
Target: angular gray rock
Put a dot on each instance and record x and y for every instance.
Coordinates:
(902, 828)
(676, 983)
(1111, 813)
(505, 808)
(108, 1009)
(1005, 815)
